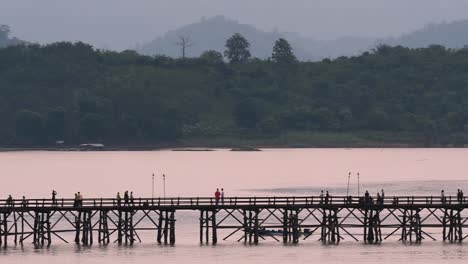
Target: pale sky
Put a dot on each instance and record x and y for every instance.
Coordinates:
(121, 24)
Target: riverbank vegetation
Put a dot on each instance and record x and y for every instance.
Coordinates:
(390, 95)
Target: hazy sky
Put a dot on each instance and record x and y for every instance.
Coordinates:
(122, 23)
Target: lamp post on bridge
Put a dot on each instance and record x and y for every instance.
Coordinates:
(164, 185)
(347, 188)
(358, 186)
(152, 187)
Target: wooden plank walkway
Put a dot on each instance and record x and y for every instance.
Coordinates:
(248, 219)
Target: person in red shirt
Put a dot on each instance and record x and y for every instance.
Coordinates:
(217, 196)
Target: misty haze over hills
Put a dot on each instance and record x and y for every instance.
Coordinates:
(211, 34)
(5, 39)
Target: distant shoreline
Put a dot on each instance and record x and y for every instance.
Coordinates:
(292, 140)
(214, 148)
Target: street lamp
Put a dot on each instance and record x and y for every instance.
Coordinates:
(164, 185)
(358, 186)
(152, 187)
(347, 188)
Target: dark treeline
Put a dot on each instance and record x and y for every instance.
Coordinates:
(72, 92)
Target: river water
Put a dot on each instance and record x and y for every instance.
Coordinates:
(269, 172)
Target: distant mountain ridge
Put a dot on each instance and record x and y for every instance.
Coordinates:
(211, 34)
(451, 35)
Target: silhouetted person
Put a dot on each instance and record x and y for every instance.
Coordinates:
(379, 199)
(321, 197)
(24, 203)
(131, 198)
(217, 196)
(442, 197)
(80, 199)
(461, 196)
(367, 197)
(9, 201)
(222, 195)
(119, 199)
(54, 200)
(126, 197)
(75, 201)
(327, 198)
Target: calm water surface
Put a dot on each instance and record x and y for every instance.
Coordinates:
(270, 172)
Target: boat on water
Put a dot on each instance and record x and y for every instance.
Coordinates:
(281, 232)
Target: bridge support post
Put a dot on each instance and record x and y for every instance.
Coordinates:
(411, 225)
(42, 229)
(4, 228)
(372, 226)
(207, 222)
(330, 226)
(125, 227)
(285, 226)
(166, 227)
(452, 225)
(103, 231)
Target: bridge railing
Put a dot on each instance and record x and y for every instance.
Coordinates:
(233, 201)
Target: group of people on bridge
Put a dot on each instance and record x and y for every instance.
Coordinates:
(128, 199)
(219, 196)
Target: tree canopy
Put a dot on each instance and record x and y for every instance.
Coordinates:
(73, 92)
(237, 49)
(282, 52)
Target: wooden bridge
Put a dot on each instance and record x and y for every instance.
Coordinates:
(247, 219)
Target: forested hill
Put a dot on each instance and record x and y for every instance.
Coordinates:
(78, 94)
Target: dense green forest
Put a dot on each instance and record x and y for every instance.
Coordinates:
(72, 92)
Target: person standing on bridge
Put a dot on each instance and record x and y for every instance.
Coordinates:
(119, 199)
(367, 197)
(125, 197)
(9, 201)
(80, 199)
(442, 197)
(459, 196)
(54, 200)
(75, 200)
(321, 197)
(131, 198)
(24, 203)
(217, 196)
(222, 195)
